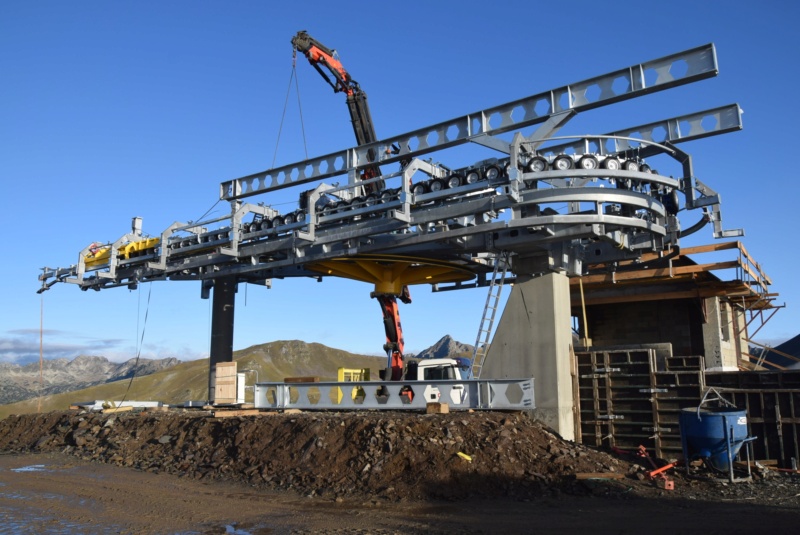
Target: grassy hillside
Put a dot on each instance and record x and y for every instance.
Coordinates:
(189, 380)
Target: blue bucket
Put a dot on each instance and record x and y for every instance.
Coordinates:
(706, 432)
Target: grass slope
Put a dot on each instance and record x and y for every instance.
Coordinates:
(189, 380)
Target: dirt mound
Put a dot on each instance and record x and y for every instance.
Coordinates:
(389, 455)
(384, 456)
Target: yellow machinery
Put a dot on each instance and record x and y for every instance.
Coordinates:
(346, 375)
(99, 255)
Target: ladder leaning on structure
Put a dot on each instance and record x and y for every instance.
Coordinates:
(483, 339)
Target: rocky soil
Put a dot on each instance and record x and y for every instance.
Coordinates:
(384, 456)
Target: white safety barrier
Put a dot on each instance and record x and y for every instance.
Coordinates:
(500, 394)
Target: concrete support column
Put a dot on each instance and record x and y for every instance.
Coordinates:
(533, 339)
(222, 309)
(718, 347)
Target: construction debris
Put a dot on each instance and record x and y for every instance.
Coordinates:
(599, 475)
(230, 413)
(437, 408)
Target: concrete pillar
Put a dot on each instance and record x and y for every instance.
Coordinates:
(533, 339)
(741, 337)
(222, 309)
(718, 346)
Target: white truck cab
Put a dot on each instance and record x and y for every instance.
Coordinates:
(443, 369)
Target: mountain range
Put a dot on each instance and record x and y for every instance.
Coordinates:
(19, 382)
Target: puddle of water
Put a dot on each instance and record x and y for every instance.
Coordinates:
(230, 529)
(22, 522)
(23, 496)
(31, 468)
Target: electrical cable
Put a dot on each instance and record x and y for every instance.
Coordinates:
(209, 210)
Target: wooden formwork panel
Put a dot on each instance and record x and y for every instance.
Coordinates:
(626, 402)
(688, 363)
(614, 397)
(773, 418)
(755, 380)
(772, 402)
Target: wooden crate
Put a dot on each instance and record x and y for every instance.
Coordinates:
(225, 383)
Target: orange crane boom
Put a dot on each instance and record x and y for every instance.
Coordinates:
(324, 60)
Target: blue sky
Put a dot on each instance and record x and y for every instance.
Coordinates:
(110, 110)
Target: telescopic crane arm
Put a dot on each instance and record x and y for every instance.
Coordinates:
(324, 61)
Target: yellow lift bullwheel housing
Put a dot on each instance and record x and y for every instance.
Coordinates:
(391, 273)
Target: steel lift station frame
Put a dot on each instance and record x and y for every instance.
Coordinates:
(544, 204)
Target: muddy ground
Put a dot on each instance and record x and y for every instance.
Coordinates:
(187, 472)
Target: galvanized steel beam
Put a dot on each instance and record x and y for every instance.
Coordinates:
(637, 80)
(490, 394)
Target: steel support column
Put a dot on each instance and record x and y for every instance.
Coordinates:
(222, 310)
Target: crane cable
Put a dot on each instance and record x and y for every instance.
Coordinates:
(292, 76)
(141, 340)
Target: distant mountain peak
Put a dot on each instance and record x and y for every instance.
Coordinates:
(446, 347)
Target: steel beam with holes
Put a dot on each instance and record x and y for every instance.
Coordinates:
(681, 129)
(677, 69)
(473, 394)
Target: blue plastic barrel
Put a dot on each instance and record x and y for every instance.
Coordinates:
(705, 433)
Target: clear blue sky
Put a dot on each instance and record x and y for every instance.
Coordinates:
(110, 110)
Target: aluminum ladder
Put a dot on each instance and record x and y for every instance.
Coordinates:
(483, 340)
